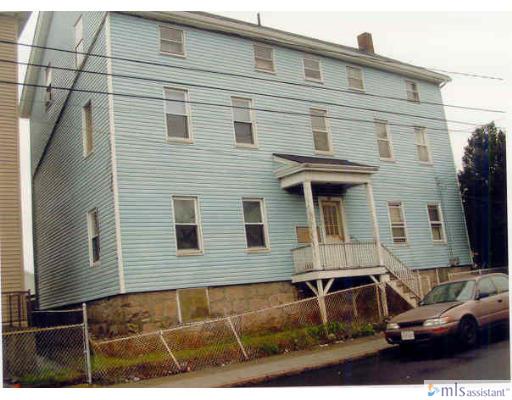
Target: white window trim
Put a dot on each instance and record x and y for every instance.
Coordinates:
(427, 145)
(89, 236)
(183, 35)
(200, 242)
(443, 227)
(86, 154)
(268, 71)
(188, 108)
(329, 152)
(78, 42)
(263, 209)
(389, 140)
(407, 91)
(347, 67)
(402, 206)
(321, 80)
(252, 113)
(321, 199)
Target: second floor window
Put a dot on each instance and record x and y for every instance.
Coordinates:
(312, 68)
(79, 42)
(397, 220)
(383, 140)
(255, 224)
(242, 121)
(177, 115)
(422, 145)
(435, 217)
(355, 78)
(87, 129)
(412, 91)
(93, 229)
(264, 58)
(172, 41)
(48, 83)
(187, 225)
(321, 136)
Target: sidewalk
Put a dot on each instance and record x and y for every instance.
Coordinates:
(271, 367)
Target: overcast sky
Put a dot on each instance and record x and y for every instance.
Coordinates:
(477, 43)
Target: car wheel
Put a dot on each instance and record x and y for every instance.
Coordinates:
(468, 332)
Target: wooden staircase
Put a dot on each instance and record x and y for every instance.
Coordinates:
(403, 280)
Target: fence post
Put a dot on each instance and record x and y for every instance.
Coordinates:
(87, 351)
(169, 350)
(230, 323)
(377, 297)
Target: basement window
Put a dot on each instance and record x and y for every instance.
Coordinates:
(193, 304)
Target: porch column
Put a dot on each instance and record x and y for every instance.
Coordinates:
(373, 212)
(310, 211)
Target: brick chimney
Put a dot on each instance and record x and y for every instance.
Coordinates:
(365, 42)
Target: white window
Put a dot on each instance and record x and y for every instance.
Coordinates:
(422, 145)
(87, 129)
(79, 42)
(412, 91)
(264, 58)
(93, 232)
(172, 41)
(321, 136)
(177, 115)
(435, 217)
(187, 225)
(383, 140)
(243, 122)
(256, 232)
(312, 68)
(397, 220)
(355, 78)
(48, 83)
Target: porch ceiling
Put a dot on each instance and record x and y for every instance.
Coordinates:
(299, 169)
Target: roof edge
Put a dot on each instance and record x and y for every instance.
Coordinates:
(203, 20)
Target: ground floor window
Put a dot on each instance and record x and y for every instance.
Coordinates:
(255, 223)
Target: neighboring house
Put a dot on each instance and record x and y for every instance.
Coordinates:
(11, 244)
(230, 195)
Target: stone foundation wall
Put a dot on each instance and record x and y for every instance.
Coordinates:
(149, 311)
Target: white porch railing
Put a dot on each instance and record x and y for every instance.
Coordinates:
(337, 256)
(395, 266)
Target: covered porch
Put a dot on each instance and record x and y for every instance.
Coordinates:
(330, 252)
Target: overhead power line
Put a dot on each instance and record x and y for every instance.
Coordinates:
(258, 78)
(252, 93)
(145, 97)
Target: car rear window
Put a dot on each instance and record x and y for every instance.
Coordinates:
(501, 283)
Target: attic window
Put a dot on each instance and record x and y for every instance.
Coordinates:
(355, 78)
(264, 58)
(412, 91)
(312, 69)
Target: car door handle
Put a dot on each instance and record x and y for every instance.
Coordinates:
(500, 301)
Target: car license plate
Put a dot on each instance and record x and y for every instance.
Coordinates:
(407, 335)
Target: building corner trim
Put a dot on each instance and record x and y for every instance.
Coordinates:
(113, 159)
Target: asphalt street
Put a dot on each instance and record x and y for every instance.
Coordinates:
(489, 361)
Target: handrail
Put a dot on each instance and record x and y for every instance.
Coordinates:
(400, 271)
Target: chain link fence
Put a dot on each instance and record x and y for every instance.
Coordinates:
(46, 356)
(58, 355)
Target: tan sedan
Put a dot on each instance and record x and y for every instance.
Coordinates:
(460, 309)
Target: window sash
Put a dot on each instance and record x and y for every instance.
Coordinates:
(412, 91)
(177, 114)
(383, 140)
(88, 129)
(264, 58)
(94, 237)
(436, 222)
(243, 121)
(397, 222)
(320, 130)
(312, 68)
(355, 78)
(174, 43)
(255, 228)
(422, 145)
(187, 228)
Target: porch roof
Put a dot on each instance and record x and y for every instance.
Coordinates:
(299, 169)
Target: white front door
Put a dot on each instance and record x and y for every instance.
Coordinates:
(332, 221)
